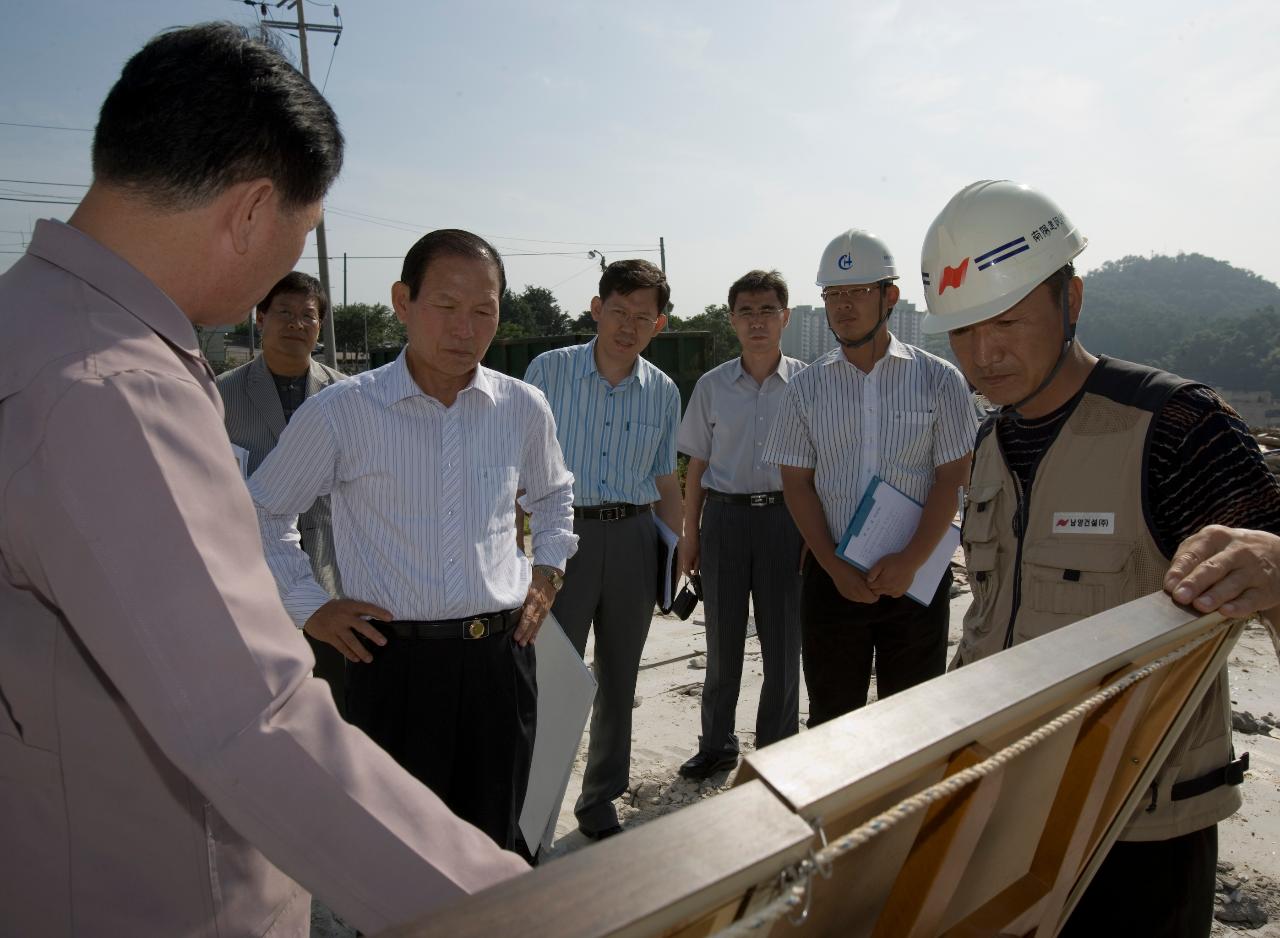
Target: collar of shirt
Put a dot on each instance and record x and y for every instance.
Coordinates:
(109, 273)
(896, 349)
(783, 372)
(396, 384)
(587, 367)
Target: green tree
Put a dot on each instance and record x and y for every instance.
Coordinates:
(533, 312)
(350, 323)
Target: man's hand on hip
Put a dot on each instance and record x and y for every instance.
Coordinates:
(537, 603)
(338, 621)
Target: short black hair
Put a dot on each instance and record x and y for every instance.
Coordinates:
(447, 241)
(1059, 279)
(205, 107)
(298, 282)
(755, 280)
(626, 277)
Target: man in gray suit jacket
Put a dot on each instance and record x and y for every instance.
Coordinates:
(261, 395)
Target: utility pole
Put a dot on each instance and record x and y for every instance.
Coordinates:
(662, 253)
(322, 242)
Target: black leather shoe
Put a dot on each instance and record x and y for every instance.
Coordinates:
(706, 764)
(602, 834)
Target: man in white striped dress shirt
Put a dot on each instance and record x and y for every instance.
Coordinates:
(422, 459)
(872, 407)
(616, 417)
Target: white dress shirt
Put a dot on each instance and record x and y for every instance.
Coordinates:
(910, 414)
(728, 422)
(423, 495)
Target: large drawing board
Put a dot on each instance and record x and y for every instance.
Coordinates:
(1008, 854)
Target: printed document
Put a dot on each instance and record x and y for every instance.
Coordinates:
(884, 524)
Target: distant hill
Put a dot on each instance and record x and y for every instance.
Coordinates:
(1191, 314)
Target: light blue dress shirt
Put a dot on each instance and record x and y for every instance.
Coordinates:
(616, 440)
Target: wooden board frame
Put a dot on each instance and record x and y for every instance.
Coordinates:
(1008, 854)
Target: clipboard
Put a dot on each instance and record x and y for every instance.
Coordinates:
(884, 523)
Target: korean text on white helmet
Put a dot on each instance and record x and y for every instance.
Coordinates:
(993, 244)
(856, 257)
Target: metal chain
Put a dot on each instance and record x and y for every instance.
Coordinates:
(793, 885)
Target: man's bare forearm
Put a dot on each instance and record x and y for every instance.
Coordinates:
(806, 510)
(939, 509)
(694, 495)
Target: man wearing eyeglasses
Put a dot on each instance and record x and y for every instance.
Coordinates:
(737, 532)
(616, 419)
(873, 407)
(259, 398)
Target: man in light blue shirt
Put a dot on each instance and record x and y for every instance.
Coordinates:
(743, 542)
(422, 459)
(616, 418)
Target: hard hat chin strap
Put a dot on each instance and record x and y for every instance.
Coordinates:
(859, 343)
(1013, 411)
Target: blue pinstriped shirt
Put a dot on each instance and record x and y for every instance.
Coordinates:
(423, 495)
(909, 415)
(616, 440)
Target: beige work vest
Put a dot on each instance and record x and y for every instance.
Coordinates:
(1086, 545)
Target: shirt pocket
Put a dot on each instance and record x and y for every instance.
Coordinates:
(1064, 583)
(640, 446)
(910, 437)
(492, 496)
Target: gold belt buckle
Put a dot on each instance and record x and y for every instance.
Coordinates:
(477, 628)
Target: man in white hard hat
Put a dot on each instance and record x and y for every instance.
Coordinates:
(1085, 481)
(873, 408)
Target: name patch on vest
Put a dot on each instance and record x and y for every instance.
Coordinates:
(1084, 522)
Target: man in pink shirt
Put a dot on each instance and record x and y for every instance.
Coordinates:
(167, 763)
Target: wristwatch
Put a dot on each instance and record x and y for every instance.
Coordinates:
(554, 576)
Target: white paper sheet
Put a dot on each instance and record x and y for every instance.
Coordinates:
(668, 570)
(884, 524)
(566, 689)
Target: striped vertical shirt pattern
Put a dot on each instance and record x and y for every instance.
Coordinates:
(728, 422)
(423, 495)
(910, 414)
(616, 440)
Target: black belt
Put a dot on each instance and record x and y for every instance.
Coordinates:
(494, 623)
(755, 500)
(612, 512)
(1230, 774)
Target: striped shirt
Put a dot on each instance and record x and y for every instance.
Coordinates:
(909, 415)
(728, 422)
(616, 440)
(423, 495)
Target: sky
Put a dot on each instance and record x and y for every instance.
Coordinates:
(746, 134)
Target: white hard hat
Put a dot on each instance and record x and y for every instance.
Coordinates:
(993, 244)
(856, 257)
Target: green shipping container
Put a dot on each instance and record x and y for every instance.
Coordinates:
(682, 356)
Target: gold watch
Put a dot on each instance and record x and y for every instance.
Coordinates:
(553, 576)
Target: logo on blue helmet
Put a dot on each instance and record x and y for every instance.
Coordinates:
(845, 262)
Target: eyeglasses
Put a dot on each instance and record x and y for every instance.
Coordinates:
(764, 312)
(622, 318)
(303, 318)
(835, 296)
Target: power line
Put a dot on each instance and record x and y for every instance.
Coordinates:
(14, 198)
(87, 130)
(43, 182)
